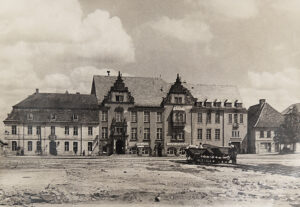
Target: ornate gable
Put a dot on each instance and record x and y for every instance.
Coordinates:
(118, 92)
(178, 89)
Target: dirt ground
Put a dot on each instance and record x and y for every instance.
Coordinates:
(257, 180)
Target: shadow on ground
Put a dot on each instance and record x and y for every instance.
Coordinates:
(271, 168)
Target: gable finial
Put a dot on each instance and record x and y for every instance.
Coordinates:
(178, 79)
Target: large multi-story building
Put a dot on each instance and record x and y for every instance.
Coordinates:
(136, 115)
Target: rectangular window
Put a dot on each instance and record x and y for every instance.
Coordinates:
(217, 134)
(199, 136)
(159, 133)
(29, 145)
(13, 129)
(178, 100)
(66, 130)
(104, 116)
(235, 118)
(29, 130)
(268, 134)
(133, 133)
(230, 118)
(146, 133)
(14, 146)
(104, 132)
(133, 116)
(75, 130)
(66, 146)
(119, 98)
(235, 133)
(199, 117)
(38, 146)
(217, 118)
(90, 130)
(90, 146)
(241, 118)
(159, 117)
(208, 134)
(262, 135)
(75, 147)
(208, 118)
(118, 116)
(52, 130)
(146, 116)
(38, 130)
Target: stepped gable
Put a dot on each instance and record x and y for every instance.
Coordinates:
(146, 91)
(178, 88)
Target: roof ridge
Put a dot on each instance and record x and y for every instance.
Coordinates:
(212, 84)
(150, 77)
(260, 113)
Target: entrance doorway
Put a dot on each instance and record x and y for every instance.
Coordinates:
(120, 147)
(159, 150)
(52, 148)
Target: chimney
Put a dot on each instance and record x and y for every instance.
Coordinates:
(36, 90)
(262, 101)
(108, 73)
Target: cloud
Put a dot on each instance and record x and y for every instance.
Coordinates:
(41, 41)
(187, 29)
(240, 9)
(59, 28)
(279, 88)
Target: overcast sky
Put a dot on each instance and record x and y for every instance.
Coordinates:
(57, 45)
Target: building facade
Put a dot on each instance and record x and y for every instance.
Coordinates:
(132, 115)
(49, 123)
(148, 116)
(263, 121)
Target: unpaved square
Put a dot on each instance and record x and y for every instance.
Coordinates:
(258, 180)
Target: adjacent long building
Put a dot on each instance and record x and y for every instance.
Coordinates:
(134, 115)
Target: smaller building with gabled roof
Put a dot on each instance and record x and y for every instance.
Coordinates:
(263, 120)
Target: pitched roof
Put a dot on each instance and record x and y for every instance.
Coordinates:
(44, 115)
(58, 101)
(146, 91)
(289, 109)
(149, 91)
(213, 92)
(264, 115)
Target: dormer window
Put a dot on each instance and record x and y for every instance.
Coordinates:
(208, 103)
(30, 116)
(228, 104)
(53, 117)
(75, 117)
(217, 103)
(238, 104)
(199, 104)
(119, 98)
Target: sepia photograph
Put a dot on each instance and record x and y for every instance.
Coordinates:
(150, 103)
